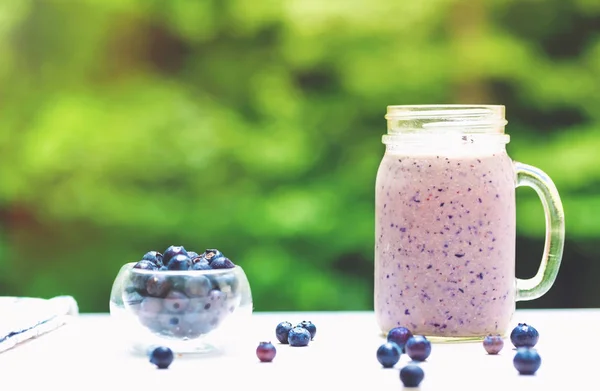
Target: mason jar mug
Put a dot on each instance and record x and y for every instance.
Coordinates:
(445, 228)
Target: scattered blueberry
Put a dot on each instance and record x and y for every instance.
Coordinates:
(222, 263)
(308, 325)
(155, 257)
(388, 354)
(527, 361)
(298, 336)
(282, 330)
(399, 335)
(266, 352)
(524, 335)
(173, 251)
(179, 262)
(411, 375)
(418, 348)
(493, 344)
(162, 357)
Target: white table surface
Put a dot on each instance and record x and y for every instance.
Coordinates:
(87, 354)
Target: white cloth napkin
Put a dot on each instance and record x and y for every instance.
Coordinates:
(23, 318)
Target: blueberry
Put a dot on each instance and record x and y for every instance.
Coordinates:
(151, 306)
(173, 251)
(388, 354)
(200, 265)
(192, 254)
(158, 285)
(412, 375)
(493, 344)
(216, 301)
(527, 361)
(266, 351)
(222, 263)
(308, 325)
(170, 324)
(418, 348)
(176, 302)
(162, 357)
(227, 283)
(155, 257)
(179, 262)
(145, 264)
(197, 286)
(139, 279)
(298, 336)
(399, 335)
(282, 330)
(524, 335)
(211, 254)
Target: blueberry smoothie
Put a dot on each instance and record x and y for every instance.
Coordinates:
(445, 243)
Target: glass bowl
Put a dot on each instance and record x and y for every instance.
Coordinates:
(191, 311)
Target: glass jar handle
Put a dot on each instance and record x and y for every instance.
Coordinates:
(538, 285)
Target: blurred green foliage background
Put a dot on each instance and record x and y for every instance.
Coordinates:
(254, 126)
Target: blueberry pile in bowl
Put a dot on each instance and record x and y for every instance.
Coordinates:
(180, 295)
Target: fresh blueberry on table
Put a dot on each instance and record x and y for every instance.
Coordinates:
(308, 325)
(412, 375)
(388, 354)
(399, 335)
(266, 351)
(222, 263)
(282, 330)
(172, 251)
(155, 257)
(418, 348)
(298, 336)
(493, 344)
(179, 262)
(527, 361)
(524, 335)
(158, 285)
(162, 357)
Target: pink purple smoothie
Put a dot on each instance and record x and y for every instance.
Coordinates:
(445, 244)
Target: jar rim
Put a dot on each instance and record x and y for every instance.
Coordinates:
(444, 110)
(436, 118)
